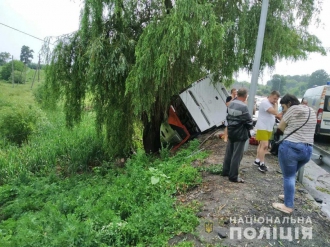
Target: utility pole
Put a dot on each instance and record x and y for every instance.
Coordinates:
(36, 72)
(38, 67)
(257, 58)
(24, 80)
(12, 69)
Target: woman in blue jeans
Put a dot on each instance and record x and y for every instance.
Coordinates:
(296, 150)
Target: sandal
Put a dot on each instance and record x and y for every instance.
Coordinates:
(238, 180)
(281, 197)
(281, 207)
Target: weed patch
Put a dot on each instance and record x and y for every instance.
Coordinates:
(213, 169)
(130, 206)
(324, 190)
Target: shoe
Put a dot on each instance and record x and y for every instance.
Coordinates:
(281, 207)
(262, 168)
(256, 163)
(238, 180)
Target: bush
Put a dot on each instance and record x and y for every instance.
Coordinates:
(7, 69)
(33, 65)
(43, 96)
(18, 77)
(17, 124)
(40, 94)
(128, 206)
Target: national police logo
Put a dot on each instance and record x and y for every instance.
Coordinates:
(208, 227)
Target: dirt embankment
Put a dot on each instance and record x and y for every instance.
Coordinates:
(250, 203)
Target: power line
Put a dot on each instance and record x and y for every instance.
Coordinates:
(31, 34)
(22, 32)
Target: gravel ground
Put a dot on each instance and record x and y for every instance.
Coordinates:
(222, 201)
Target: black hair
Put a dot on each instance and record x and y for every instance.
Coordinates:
(289, 98)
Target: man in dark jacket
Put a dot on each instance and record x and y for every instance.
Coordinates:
(239, 125)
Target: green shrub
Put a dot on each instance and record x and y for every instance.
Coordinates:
(44, 97)
(40, 94)
(53, 146)
(7, 69)
(213, 169)
(134, 207)
(18, 123)
(18, 77)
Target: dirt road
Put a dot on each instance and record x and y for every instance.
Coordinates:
(250, 205)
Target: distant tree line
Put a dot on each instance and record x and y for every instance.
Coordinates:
(16, 68)
(296, 84)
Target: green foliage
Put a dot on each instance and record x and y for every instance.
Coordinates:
(319, 78)
(122, 207)
(296, 84)
(213, 169)
(53, 147)
(4, 57)
(35, 66)
(7, 69)
(177, 37)
(41, 97)
(18, 77)
(26, 54)
(132, 56)
(18, 123)
(60, 189)
(185, 244)
(278, 83)
(113, 111)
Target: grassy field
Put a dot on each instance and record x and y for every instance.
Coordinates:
(59, 188)
(20, 93)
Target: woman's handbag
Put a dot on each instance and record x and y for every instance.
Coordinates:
(274, 148)
(276, 143)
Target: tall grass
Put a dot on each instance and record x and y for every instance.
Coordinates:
(130, 206)
(60, 188)
(53, 147)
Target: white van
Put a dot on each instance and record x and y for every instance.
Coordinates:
(319, 99)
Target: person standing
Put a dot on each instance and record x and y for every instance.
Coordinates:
(266, 119)
(298, 124)
(239, 124)
(233, 95)
(304, 102)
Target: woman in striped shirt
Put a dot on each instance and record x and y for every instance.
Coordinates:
(296, 150)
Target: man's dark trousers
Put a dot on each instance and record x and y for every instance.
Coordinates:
(233, 157)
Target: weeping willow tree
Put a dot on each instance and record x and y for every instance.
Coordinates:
(132, 56)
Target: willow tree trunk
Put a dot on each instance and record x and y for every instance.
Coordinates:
(151, 128)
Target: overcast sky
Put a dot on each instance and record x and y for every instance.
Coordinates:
(42, 18)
